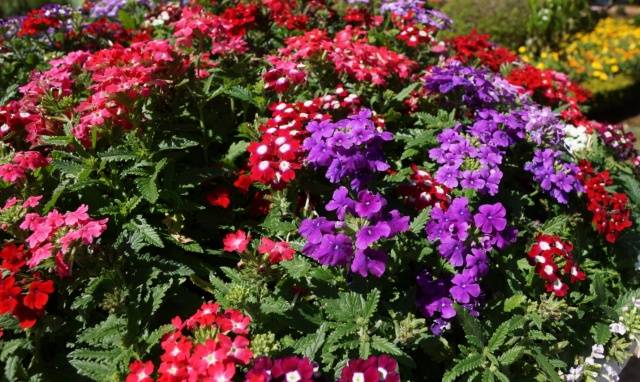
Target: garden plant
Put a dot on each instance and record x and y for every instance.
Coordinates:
(283, 190)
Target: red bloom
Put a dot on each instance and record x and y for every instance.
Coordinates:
(361, 370)
(554, 262)
(140, 372)
(293, 369)
(219, 197)
(13, 257)
(9, 294)
(276, 251)
(236, 241)
(478, 46)
(38, 294)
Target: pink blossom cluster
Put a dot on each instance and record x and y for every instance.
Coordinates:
(120, 77)
(216, 357)
(59, 235)
(21, 163)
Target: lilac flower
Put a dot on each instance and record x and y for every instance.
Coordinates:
(464, 288)
(369, 261)
(348, 149)
(341, 202)
(314, 229)
(555, 177)
(369, 204)
(490, 218)
(334, 250)
(417, 8)
(369, 234)
(334, 243)
(478, 87)
(110, 8)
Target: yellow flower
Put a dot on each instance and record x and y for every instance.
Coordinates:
(615, 68)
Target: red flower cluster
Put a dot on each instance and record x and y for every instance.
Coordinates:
(215, 359)
(120, 77)
(220, 35)
(351, 54)
(283, 13)
(553, 260)
(414, 35)
(361, 17)
(106, 30)
(275, 158)
(424, 191)
(611, 214)
(36, 21)
(22, 161)
(552, 88)
(373, 369)
(478, 46)
(283, 75)
(616, 138)
(281, 370)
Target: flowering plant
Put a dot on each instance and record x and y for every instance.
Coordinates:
(364, 200)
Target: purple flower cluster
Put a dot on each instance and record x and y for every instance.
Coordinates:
(350, 148)
(542, 125)
(431, 17)
(10, 26)
(556, 177)
(353, 239)
(470, 157)
(110, 8)
(478, 86)
(466, 250)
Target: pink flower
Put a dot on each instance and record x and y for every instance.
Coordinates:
(40, 254)
(78, 216)
(237, 241)
(222, 372)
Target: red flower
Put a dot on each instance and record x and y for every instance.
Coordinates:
(293, 369)
(140, 372)
(219, 197)
(13, 257)
(236, 241)
(38, 294)
(276, 251)
(554, 262)
(360, 370)
(9, 293)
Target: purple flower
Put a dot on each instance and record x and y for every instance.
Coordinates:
(369, 204)
(556, 177)
(464, 288)
(341, 202)
(369, 234)
(347, 149)
(490, 218)
(314, 229)
(397, 223)
(334, 250)
(369, 261)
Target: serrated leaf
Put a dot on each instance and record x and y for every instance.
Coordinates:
(235, 150)
(473, 361)
(309, 345)
(385, 346)
(419, 222)
(404, 93)
(499, 336)
(514, 302)
(470, 324)
(546, 367)
(511, 355)
(601, 333)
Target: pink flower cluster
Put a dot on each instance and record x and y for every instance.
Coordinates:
(22, 161)
(274, 159)
(198, 29)
(214, 358)
(120, 77)
(349, 52)
(58, 235)
(273, 251)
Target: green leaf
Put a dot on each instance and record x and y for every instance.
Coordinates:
(470, 324)
(418, 223)
(514, 302)
(499, 336)
(235, 150)
(56, 140)
(309, 345)
(601, 333)
(385, 346)
(143, 234)
(473, 361)
(117, 155)
(404, 93)
(546, 367)
(511, 355)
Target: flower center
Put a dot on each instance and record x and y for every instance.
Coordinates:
(292, 376)
(357, 377)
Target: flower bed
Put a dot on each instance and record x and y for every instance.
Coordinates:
(363, 200)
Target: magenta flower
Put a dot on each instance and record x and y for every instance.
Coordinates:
(491, 218)
(369, 234)
(293, 369)
(464, 288)
(369, 261)
(360, 370)
(369, 204)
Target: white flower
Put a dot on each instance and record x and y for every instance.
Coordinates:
(597, 351)
(575, 374)
(618, 328)
(636, 302)
(610, 374)
(576, 138)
